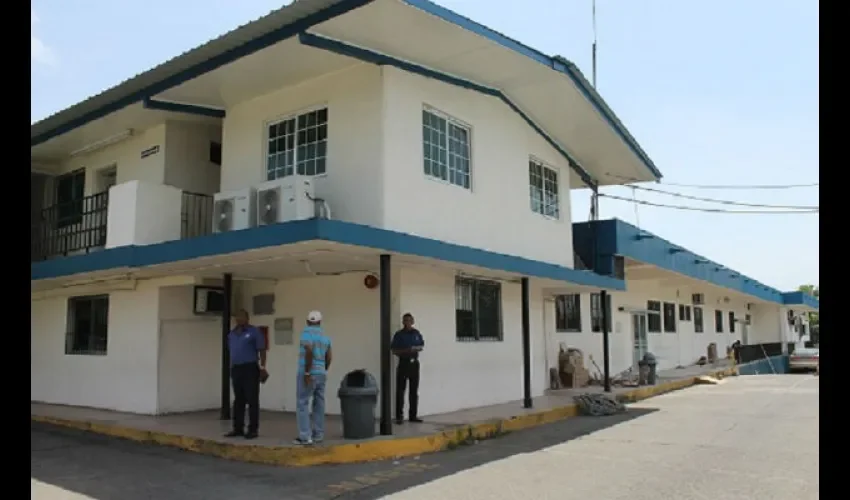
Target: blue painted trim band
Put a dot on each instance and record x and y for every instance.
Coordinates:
(189, 109)
(247, 48)
(556, 63)
(132, 257)
(800, 298)
(369, 56)
(616, 237)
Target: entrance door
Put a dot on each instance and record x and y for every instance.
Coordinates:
(640, 342)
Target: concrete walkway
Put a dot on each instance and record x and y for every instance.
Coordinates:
(203, 432)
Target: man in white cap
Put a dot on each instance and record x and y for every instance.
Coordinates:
(314, 359)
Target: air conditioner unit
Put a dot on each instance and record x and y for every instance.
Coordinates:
(208, 300)
(286, 199)
(698, 299)
(233, 210)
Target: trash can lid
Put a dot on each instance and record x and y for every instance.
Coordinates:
(358, 379)
(649, 357)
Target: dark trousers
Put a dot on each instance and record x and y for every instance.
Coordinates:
(407, 370)
(246, 391)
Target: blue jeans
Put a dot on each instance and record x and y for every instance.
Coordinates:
(311, 428)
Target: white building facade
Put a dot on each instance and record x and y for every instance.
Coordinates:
(438, 173)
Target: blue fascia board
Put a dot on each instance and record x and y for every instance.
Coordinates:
(249, 47)
(800, 298)
(372, 57)
(556, 63)
(189, 109)
(616, 237)
(134, 257)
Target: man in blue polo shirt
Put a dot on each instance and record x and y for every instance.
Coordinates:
(314, 359)
(247, 361)
(406, 345)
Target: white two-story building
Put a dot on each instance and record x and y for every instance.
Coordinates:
(363, 158)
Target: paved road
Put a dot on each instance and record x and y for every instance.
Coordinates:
(750, 438)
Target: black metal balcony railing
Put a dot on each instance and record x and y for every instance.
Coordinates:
(196, 215)
(78, 226)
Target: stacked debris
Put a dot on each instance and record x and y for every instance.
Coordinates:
(597, 405)
(571, 368)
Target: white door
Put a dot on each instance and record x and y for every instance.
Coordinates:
(640, 342)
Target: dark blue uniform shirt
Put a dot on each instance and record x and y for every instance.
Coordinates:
(245, 345)
(405, 339)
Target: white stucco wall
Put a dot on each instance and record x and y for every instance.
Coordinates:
(123, 380)
(684, 346)
(352, 184)
(501, 145)
(187, 157)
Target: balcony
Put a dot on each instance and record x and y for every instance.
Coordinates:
(132, 213)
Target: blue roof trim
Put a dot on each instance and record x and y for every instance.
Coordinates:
(366, 55)
(189, 109)
(557, 63)
(308, 230)
(800, 298)
(620, 238)
(247, 48)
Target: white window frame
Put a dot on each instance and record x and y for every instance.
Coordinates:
(469, 134)
(532, 160)
(288, 116)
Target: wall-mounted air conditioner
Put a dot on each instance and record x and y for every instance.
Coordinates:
(285, 199)
(233, 210)
(208, 300)
(698, 299)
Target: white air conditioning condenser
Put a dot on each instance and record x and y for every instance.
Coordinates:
(286, 199)
(233, 210)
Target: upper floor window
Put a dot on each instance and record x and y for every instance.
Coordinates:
(298, 144)
(543, 189)
(446, 149)
(70, 191)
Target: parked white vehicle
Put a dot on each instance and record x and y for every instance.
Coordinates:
(806, 358)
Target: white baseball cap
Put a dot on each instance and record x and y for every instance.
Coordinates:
(314, 317)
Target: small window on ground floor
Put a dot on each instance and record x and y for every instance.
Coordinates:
(478, 309)
(731, 322)
(568, 313)
(596, 312)
(684, 313)
(669, 317)
(88, 319)
(698, 327)
(653, 316)
(718, 321)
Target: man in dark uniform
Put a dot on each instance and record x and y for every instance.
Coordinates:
(406, 345)
(247, 364)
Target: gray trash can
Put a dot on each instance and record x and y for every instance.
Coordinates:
(358, 397)
(650, 362)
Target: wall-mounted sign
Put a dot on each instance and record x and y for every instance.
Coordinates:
(150, 151)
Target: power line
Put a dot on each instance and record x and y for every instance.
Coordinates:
(720, 186)
(724, 202)
(710, 210)
(740, 186)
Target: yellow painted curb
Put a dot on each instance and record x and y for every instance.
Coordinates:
(378, 449)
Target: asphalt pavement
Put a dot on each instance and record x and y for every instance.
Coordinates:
(749, 438)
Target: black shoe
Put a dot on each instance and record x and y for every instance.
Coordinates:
(399, 421)
(233, 434)
(251, 435)
(415, 420)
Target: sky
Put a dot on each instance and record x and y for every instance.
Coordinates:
(716, 92)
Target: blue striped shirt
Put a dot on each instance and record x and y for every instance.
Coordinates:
(314, 336)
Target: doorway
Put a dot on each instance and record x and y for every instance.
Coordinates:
(106, 178)
(639, 337)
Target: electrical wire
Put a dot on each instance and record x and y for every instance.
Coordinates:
(723, 202)
(710, 210)
(720, 186)
(755, 186)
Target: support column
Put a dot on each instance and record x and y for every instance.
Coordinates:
(526, 346)
(386, 339)
(225, 349)
(606, 352)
